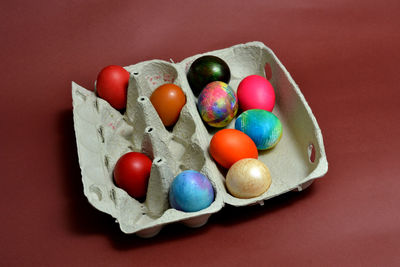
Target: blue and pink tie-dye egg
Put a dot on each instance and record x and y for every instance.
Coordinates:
(217, 104)
(191, 191)
(263, 127)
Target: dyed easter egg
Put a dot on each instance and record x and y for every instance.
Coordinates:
(191, 191)
(132, 173)
(111, 85)
(217, 104)
(248, 178)
(229, 145)
(168, 100)
(263, 127)
(256, 92)
(207, 69)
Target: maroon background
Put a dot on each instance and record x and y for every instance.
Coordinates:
(343, 54)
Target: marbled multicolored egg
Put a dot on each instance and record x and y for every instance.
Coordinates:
(217, 104)
(262, 126)
(191, 191)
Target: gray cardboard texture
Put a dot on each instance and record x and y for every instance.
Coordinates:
(103, 134)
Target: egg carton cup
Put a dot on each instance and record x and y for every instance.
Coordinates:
(103, 135)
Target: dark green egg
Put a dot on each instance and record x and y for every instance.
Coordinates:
(207, 69)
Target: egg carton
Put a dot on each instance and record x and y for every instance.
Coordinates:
(104, 134)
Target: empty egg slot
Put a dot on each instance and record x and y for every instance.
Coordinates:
(155, 144)
(193, 158)
(245, 61)
(185, 127)
(177, 149)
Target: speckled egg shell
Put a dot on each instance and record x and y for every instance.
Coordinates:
(263, 127)
(191, 191)
(217, 104)
(248, 178)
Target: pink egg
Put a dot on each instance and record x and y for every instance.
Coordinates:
(256, 92)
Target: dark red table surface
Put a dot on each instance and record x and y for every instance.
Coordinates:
(345, 57)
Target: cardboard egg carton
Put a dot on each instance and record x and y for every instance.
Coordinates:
(103, 135)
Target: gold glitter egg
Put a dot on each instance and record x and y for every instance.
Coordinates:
(248, 178)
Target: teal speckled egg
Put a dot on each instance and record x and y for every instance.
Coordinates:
(191, 191)
(263, 127)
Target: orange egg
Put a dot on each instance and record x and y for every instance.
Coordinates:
(229, 145)
(168, 100)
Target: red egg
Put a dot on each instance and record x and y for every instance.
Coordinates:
(256, 92)
(228, 146)
(132, 173)
(111, 85)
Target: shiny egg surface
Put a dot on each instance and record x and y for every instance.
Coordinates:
(217, 104)
(262, 126)
(207, 69)
(248, 178)
(191, 191)
(229, 145)
(256, 92)
(168, 100)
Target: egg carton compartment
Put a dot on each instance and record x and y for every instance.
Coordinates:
(172, 150)
(103, 134)
(289, 161)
